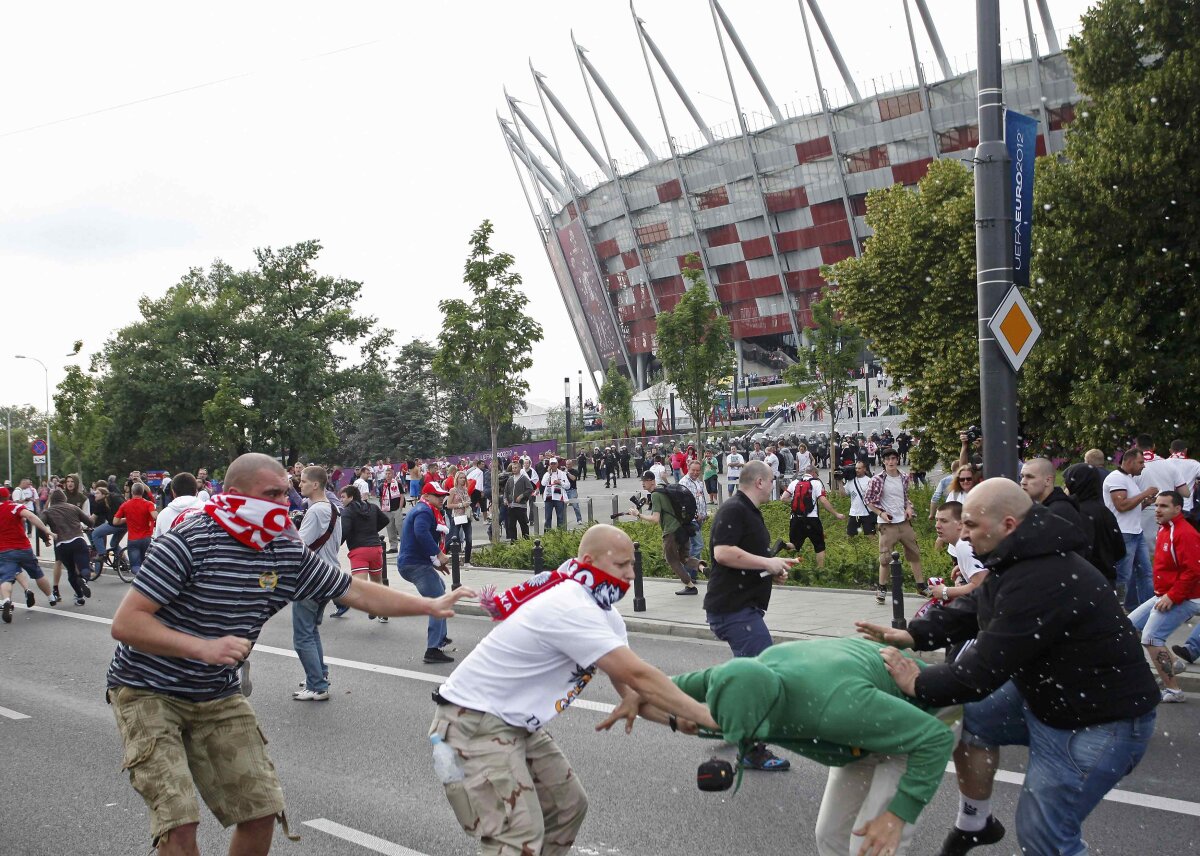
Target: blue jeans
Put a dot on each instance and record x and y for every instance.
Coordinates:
(462, 531)
(1156, 627)
(1070, 770)
(745, 630)
(429, 584)
(1134, 572)
(104, 530)
(136, 550)
(573, 496)
(306, 639)
(1192, 643)
(556, 507)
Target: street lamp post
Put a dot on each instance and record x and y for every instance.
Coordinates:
(46, 373)
(8, 414)
(567, 408)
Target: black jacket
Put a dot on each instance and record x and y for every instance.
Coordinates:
(1048, 620)
(1068, 509)
(361, 524)
(1086, 484)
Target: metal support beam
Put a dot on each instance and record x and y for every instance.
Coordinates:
(746, 61)
(1048, 27)
(934, 39)
(514, 107)
(585, 63)
(670, 73)
(762, 196)
(617, 181)
(923, 88)
(544, 92)
(587, 233)
(1043, 116)
(533, 163)
(993, 251)
(701, 251)
(832, 132)
(830, 43)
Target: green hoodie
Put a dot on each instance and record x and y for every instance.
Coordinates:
(830, 700)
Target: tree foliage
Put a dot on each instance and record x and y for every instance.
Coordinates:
(912, 293)
(616, 400)
(825, 372)
(485, 343)
(694, 346)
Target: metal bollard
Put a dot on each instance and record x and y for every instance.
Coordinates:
(538, 559)
(639, 596)
(455, 549)
(898, 621)
(616, 502)
(591, 517)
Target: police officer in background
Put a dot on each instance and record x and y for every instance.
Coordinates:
(740, 580)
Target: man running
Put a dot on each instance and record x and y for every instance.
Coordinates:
(173, 683)
(16, 553)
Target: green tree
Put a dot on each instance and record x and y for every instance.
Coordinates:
(616, 399)
(912, 294)
(26, 424)
(825, 372)
(80, 425)
(695, 348)
(556, 420)
(501, 337)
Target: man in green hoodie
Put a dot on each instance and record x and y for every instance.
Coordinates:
(834, 702)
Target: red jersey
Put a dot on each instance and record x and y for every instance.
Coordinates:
(12, 527)
(136, 513)
(1177, 561)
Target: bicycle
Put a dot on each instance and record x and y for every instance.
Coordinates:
(117, 559)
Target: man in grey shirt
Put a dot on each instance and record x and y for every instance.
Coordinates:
(321, 532)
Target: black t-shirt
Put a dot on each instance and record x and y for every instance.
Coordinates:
(738, 523)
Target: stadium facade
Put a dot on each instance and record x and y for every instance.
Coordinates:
(763, 201)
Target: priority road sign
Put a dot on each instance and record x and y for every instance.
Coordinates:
(1015, 328)
(38, 447)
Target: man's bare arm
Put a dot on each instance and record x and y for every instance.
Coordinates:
(653, 686)
(136, 624)
(381, 600)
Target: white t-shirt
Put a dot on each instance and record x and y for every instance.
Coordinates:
(772, 461)
(1129, 522)
(167, 518)
(857, 491)
(363, 488)
(733, 465)
(818, 491)
(26, 496)
(534, 663)
(1162, 473)
(660, 473)
(476, 474)
(959, 496)
(964, 557)
(804, 460)
(1189, 471)
(892, 499)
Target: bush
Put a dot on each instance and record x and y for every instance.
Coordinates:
(849, 562)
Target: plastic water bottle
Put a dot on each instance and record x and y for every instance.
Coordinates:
(445, 761)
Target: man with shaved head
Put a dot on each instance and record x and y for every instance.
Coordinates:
(1037, 480)
(519, 794)
(1055, 666)
(196, 608)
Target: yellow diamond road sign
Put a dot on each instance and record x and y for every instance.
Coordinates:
(1015, 328)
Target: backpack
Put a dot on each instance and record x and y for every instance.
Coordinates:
(802, 500)
(683, 505)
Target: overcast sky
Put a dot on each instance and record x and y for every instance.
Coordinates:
(141, 139)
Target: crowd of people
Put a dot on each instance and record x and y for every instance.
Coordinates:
(1055, 621)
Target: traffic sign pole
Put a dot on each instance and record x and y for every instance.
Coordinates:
(993, 254)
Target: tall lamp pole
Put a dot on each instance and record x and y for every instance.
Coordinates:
(46, 373)
(8, 414)
(582, 426)
(567, 408)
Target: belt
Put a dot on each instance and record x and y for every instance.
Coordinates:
(439, 699)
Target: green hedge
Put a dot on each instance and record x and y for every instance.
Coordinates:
(849, 562)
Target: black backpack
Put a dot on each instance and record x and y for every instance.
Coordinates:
(683, 505)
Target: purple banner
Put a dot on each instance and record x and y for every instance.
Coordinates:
(530, 449)
(590, 289)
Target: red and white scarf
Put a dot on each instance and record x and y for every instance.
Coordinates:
(253, 522)
(604, 588)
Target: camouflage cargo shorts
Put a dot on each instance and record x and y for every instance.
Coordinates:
(520, 795)
(175, 747)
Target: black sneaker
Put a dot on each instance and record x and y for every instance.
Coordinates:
(446, 642)
(881, 594)
(762, 758)
(436, 655)
(80, 601)
(29, 601)
(86, 589)
(339, 612)
(688, 590)
(6, 611)
(54, 598)
(55, 595)
(1184, 652)
(383, 619)
(958, 842)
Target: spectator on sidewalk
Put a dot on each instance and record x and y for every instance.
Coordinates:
(458, 507)
(391, 503)
(861, 517)
(555, 485)
(517, 493)
(1124, 497)
(887, 496)
(695, 484)
(423, 562)
(321, 532)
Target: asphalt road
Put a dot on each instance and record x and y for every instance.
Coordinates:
(358, 765)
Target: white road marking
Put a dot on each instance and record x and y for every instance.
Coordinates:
(1128, 797)
(11, 714)
(362, 839)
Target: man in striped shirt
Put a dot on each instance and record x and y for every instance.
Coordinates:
(203, 595)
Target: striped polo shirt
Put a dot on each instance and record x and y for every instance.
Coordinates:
(209, 585)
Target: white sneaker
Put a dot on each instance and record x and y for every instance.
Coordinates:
(311, 695)
(1173, 696)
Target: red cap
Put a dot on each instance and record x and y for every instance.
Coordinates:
(4, 494)
(434, 488)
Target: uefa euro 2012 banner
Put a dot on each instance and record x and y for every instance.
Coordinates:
(1020, 138)
(533, 450)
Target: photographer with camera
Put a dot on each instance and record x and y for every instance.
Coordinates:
(668, 510)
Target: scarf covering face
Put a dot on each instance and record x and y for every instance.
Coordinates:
(604, 588)
(249, 521)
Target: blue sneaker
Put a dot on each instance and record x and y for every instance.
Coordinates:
(339, 612)
(762, 758)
